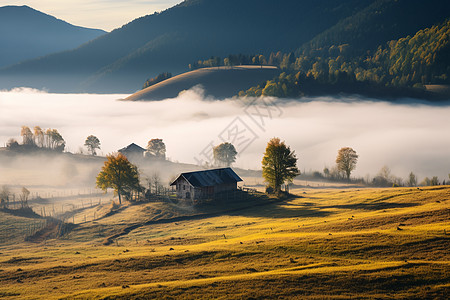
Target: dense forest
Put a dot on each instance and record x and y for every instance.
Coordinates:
(395, 67)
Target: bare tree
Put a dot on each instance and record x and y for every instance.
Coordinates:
(4, 196)
(25, 193)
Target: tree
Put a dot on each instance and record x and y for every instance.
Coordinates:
(119, 174)
(54, 140)
(326, 172)
(4, 196)
(434, 180)
(92, 143)
(157, 148)
(279, 164)
(39, 136)
(24, 197)
(412, 181)
(346, 160)
(27, 135)
(224, 154)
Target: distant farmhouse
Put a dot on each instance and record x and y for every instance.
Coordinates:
(205, 184)
(133, 150)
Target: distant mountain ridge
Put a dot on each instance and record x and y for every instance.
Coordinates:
(26, 33)
(197, 29)
(168, 41)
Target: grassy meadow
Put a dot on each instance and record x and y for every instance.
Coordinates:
(320, 243)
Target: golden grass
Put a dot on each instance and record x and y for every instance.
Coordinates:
(360, 243)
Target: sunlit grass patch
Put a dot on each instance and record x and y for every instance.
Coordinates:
(369, 243)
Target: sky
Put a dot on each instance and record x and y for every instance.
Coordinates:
(404, 137)
(100, 14)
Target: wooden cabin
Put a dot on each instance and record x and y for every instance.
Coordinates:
(206, 184)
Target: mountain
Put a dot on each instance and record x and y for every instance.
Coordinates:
(197, 29)
(26, 33)
(168, 41)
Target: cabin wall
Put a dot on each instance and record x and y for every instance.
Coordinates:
(225, 187)
(187, 192)
(184, 189)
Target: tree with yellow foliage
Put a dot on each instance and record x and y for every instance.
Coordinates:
(279, 164)
(119, 174)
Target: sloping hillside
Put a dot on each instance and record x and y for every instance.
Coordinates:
(26, 33)
(319, 244)
(222, 82)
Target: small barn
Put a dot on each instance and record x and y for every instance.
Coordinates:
(205, 184)
(133, 151)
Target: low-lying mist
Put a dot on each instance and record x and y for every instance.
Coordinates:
(407, 136)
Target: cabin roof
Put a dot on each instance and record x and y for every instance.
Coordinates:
(132, 148)
(209, 177)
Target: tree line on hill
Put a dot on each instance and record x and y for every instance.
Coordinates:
(400, 66)
(157, 79)
(279, 167)
(49, 139)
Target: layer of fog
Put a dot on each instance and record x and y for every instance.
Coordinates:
(406, 137)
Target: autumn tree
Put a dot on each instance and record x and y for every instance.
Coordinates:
(119, 174)
(54, 140)
(92, 143)
(346, 160)
(157, 148)
(224, 154)
(39, 136)
(279, 164)
(27, 136)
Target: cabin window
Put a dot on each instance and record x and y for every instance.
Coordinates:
(184, 187)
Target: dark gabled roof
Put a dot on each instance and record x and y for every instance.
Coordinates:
(209, 177)
(132, 148)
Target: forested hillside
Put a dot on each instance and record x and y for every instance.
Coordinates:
(199, 29)
(380, 22)
(409, 62)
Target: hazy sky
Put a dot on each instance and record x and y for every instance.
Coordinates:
(101, 14)
(405, 137)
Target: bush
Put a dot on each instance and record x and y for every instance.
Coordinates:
(269, 190)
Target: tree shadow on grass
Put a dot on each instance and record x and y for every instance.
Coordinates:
(372, 206)
(284, 210)
(260, 205)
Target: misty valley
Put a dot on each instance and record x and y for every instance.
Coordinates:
(53, 201)
(255, 149)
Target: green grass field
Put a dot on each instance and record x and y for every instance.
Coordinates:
(328, 243)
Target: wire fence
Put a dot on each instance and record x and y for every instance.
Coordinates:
(20, 231)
